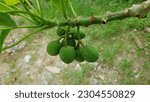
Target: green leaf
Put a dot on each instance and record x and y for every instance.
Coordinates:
(12, 2)
(4, 7)
(3, 35)
(62, 6)
(6, 21)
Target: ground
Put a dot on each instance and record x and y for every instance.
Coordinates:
(124, 48)
(31, 64)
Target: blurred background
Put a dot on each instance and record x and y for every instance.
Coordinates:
(124, 48)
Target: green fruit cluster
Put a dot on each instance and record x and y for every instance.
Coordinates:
(69, 47)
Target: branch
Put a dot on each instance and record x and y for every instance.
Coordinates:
(18, 27)
(140, 11)
(24, 12)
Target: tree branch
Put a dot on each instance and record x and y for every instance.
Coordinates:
(140, 11)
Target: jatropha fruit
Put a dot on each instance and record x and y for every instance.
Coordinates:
(69, 46)
(90, 53)
(53, 48)
(79, 55)
(67, 54)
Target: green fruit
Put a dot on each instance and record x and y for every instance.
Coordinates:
(67, 54)
(70, 42)
(60, 31)
(53, 48)
(79, 56)
(90, 53)
(81, 35)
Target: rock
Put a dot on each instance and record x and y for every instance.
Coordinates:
(53, 69)
(27, 58)
(13, 70)
(28, 73)
(38, 62)
(102, 77)
(47, 76)
(77, 67)
(135, 30)
(44, 78)
(58, 63)
(95, 82)
(147, 30)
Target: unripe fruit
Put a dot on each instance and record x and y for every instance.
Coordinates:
(60, 31)
(70, 42)
(81, 35)
(79, 56)
(90, 53)
(53, 48)
(67, 54)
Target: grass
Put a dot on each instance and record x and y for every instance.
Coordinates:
(125, 68)
(148, 40)
(108, 53)
(74, 77)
